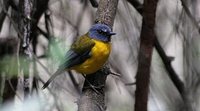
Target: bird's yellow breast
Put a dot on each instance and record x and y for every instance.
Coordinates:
(99, 55)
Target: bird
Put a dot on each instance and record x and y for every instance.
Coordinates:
(88, 53)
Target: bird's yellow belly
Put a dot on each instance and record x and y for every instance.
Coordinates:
(99, 55)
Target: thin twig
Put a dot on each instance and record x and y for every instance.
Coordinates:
(5, 6)
(43, 66)
(74, 81)
(193, 20)
(14, 24)
(130, 84)
(171, 72)
(167, 60)
(13, 89)
(94, 88)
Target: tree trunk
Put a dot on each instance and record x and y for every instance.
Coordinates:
(92, 99)
(147, 38)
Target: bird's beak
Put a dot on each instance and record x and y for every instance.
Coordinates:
(112, 33)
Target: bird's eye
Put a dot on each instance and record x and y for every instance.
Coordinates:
(100, 31)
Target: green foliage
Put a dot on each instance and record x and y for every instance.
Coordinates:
(57, 50)
(9, 65)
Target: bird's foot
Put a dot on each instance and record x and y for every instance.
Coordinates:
(94, 88)
(89, 85)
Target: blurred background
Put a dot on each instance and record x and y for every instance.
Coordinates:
(60, 22)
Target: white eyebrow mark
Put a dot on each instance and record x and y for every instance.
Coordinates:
(105, 30)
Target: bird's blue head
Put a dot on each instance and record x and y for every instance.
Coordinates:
(101, 32)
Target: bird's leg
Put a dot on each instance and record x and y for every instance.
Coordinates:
(91, 86)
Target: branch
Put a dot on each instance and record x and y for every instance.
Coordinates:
(138, 6)
(166, 60)
(27, 11)
(147, 39)
(74, 82)
(42, 6)
(13, 4)
(195, 23)
(91, 100)
(26, 8)
(106, 12)
(5, 7)
(94, 3)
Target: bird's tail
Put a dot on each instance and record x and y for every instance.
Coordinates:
(52, 78)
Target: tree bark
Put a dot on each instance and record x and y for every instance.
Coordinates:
(166, 60)
(106, 12)
(92, 99)
(26, 8)
(147, 38)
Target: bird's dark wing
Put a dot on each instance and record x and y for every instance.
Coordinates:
(82, 44)
(79, 52)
